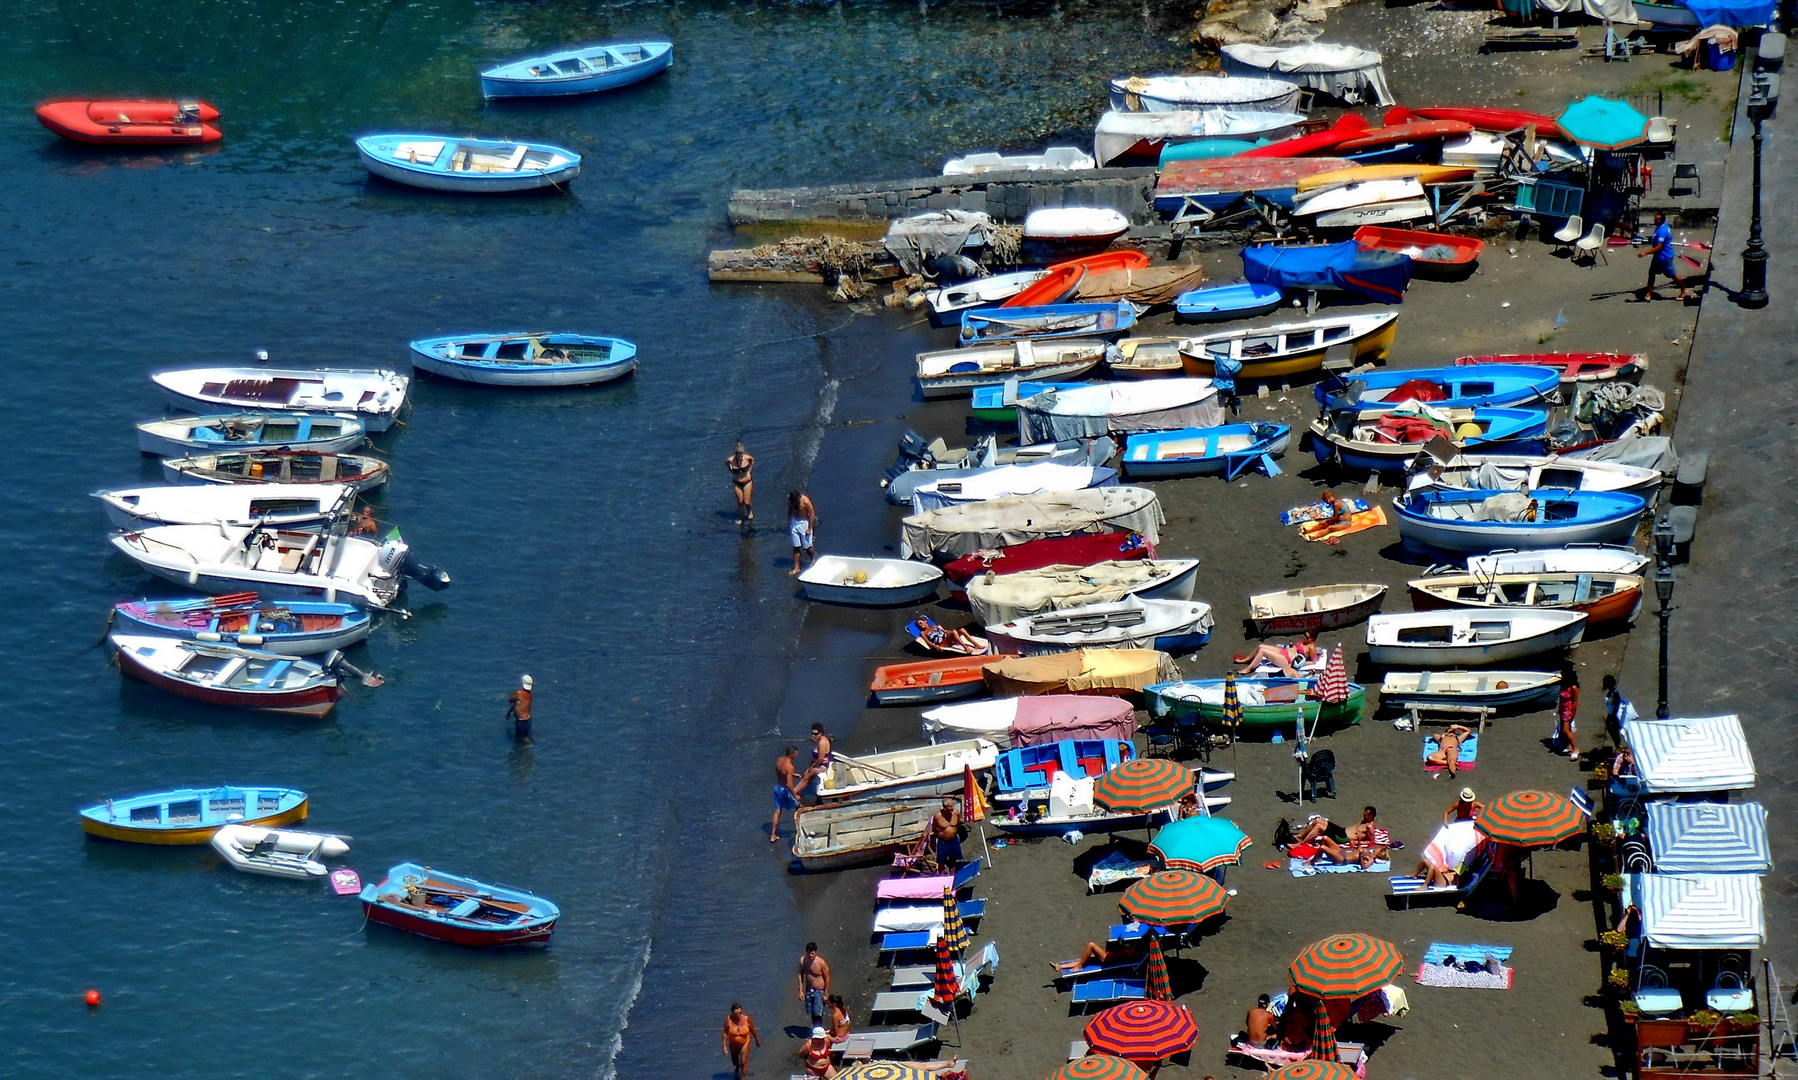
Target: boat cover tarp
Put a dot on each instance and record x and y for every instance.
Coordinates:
(1036, 478)
(1030, 721)
(1646, 451)
(1008, 597)
(959, 530)
(1211, 692)
(1732, 12)
(915, 241)
(1684, 755)
(1382, 276)
(1617, 11)
(1080, 671)
(1709, 838)
(1118, 131)
(1700, 911)
(1351, 75)
(1105, 408)
(1148, 285)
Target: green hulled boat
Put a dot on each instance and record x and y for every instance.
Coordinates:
(1276, 703)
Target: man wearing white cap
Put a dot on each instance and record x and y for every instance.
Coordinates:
(518, 707)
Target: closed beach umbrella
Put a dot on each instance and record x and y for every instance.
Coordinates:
(1323, 1034)
(1345, 966)
(1143, 1031)
(1311, 1069)
(1603, 124)
(1333, 687)
(1142, 784)
(1173, 898)
(947, 986)
(1531, 819)
(1156, 982)
(1232, 705)
(1200, 844)
(1096, 1067)
(883, 1070)
(953, 931)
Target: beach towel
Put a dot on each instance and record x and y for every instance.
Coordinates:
(1114, 868)
(895, 920)
(1468, 967)
(1268, 667)
(1306, 868)
(1317, 511)
(913, 888)
(1464, 760)
(1358, 522)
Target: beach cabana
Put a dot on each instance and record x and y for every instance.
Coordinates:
(1700, 911)
(1709, 838)
(1690, 755)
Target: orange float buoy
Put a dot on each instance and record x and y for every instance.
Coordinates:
(93, 999)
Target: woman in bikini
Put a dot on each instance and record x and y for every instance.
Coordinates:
(1286, 657)
(742, 476)
(739, 1030)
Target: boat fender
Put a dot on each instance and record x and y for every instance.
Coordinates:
(250, 641)
(209, 635)
(193, 576)
(425, 574)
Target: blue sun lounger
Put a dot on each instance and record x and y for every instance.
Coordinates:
(1108, 992)
(910, 940)
(1096, 971)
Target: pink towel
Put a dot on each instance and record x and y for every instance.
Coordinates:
(913, 888)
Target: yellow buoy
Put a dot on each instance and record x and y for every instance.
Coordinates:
(1469, 430)
(861, 577)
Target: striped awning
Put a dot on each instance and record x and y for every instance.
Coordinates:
(1700, 911)
(1703, 754)
(1709, 838)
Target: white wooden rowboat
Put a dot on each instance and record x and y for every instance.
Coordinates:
(1434, 639)
(922, 770)
(839, 579)
(1576, 559)
(1319, 607)
(1492, 689)
(284, 505)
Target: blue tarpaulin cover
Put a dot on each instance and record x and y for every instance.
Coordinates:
(1348, 267)
(1732, 12)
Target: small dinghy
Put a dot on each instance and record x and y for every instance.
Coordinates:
(1054, 159)
(467, 166)
(1505, 472)
(1363, 202)
(1128, 138)
(375, 397)
(999, 404)
(287, 627)
(276, 564)
(295, 506)
(1572, 367)
(837, 579)
(226, 675)
(1009, 481)
(1170, 93)
(1491, 385)
(965, 528)
(132, 123)
(1221, 303)
(529, 360)
(1058, 552)
(1267, 704)
(948, 302)
(459, 910)
(1074, 228)
(281, 853)
(1431, 253)
(1292, 348)
(1575, 559)
(360, 472)
(1358, 173)
(1433, 639)
(1050, 322)
(1480, 521)
(1316, 608)
(1029, 721)
(1145, 358)
(899, 774)
(1098, 672)
(1483, 689)
(930, 680)
(1604, 598)
(1024, 772)
(1345, 73)
(1131, 623)
(1061, 281)
(1100, 409)
(578, 71)
(1225, 450)
(250, 433)
(189, 816)
(1388, 440)
(953, 372)
(997, 598)
(858, 834)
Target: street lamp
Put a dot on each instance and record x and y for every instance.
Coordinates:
(1761, 99)
(1663, 591)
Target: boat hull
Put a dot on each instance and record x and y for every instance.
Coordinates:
(943, 691)
(73, 121)
(312, 701)
(153, 444)
(560, 375)
(297, 643)
(1618, 607)
(1324, 715)
(535, 934)
(364, 473)
(1332, 619)
(1214, 465)
(1441, 656)
(199, 834)
(500, 86)
(961, 385)
(1372, 347)
(489, 184)
(1530, 688)
(1424, 534)
(1098, 823)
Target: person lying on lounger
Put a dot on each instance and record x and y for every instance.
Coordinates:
(1102, 955)
(1320, 828)
(936, 636)
(1285, 657)
(1448, 748)
(1363, 853)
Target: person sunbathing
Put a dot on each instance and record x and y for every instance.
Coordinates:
(1448, 749)
(1363, 853)
(1285, 657)
(1104, 956)
(1320, 828)
(936, 636)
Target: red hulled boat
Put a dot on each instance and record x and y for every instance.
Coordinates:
(132, 123)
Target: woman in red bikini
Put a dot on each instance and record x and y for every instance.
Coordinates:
(1286, 657)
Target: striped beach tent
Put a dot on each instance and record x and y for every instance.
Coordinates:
(1709, 838)
(1142, 784)
(1531, 819)
(1345, 966)
(1700, 911)
(1708, 753)
(1097, 1067)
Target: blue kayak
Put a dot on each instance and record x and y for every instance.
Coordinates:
(1472, 386)
(1236, 300)
(578, 71)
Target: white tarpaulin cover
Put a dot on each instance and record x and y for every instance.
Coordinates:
(1000, 598)
(1118, 131)
(962, 530)
(1709, 838)
(1617, 11)
(1103, 408)
(1704, 754)
(1033, 479)
(1647, 451)
(916, 240)
(1344, 72)
(1700, 911)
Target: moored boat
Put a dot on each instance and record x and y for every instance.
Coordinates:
(1010, 481)
(1057, 551)
(1101, 409)
(1363, 202)
(1387, 440)
(578, 71)
(1049, 322)
(297, 506)
(1223, 450)
(1479, 521)
(272, 563)
(375, 397)
(282, 853)
(997, 598)
(953, 372)
(1293, 348)
(1423, 174)
(1462, 638)
(1106, 672)
(1488, 689)
(938, 462)
(1028, 721)
(189, 816)
(922, 770)
(1572, 559)
(1347, 126)
(289, 627)
(1220, 303)
(1074, 228)
(1487, 385)
(1381, 142)
(1604, 598)
(467, 166)
(1315, 608)
(1069, 808)
(1267, 704)
(527, 360)
(857, 834)
(1220, 184)
(930, 680)
(228, 675)
(1481, 117)
(839, 579)
(132, 123)
(1130, 623)
(1435, 253)
(250, 433)
(360, 471)
(999, 404)
(459, 910)
(1571, 366)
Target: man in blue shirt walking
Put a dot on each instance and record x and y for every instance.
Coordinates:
(1661, 247)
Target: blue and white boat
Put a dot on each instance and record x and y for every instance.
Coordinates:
(478, 166)
(1224, 451)
(1473, 386)
(999, 404)
(191, 815)
(1024, 772)
(523, 359)
(578, 71)
(1387, 440)
(1236, 300)
(184, 436)
(994, 325)
(1130, 623)
(1481, 521)
(287, 627)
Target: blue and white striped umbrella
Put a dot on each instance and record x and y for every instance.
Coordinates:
(1709, 838)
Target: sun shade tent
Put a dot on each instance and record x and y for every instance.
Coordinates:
(1381, 276)
(1709, 838)
(962, 530)
(1688, 755)
(1349, 74)
(1035, 721)
(1081, 671)
(1106, 408)
(1700, 911)
(1603, 124)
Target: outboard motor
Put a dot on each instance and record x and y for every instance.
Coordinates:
(392, 556)
(425, 574)
(334, 662)
(914, 450)
(1348, 396)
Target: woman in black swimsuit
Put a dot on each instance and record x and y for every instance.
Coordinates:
(742, 467)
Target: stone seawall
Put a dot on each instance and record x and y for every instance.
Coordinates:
(1007, 197)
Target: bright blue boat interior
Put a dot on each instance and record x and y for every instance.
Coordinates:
(270, 618)
(578, 71)
(192, 808)
(391, 891)
(993, 397)
(1143, 445)
(1492, 385)
(994, 325)
(1555, 506)
(1242, 297)
(474, 160)
(1024, 768)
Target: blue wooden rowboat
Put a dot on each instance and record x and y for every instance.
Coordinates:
(1236, 300)
(1224, 451)
(999, 404)
(578, 71)
(288, 627)
(1024, 771)
(1354, 440)
(1047, 322)
(1472, 386)
(529, 360)
(183, 436)
(191, 815)
(1482, 521)
(478, 166)
(459, 910)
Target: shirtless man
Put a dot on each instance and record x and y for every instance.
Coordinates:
(1463, 808)
(786, 790)
(814, 983)
(802, 527)
(808, 784)
(742, 477)
(1259, 1024)
(945, 829)
(1448, 749)
(1322, 828)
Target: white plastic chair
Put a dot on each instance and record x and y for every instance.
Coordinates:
(1593, 244)
(1570, 232)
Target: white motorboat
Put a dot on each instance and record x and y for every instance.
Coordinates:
(1576, 559)
(954, 372)
(1171, 93)
(923, 770)
(374, 397)
(1522, 472)
(1032, 478)
(274, 564)
(1082, 225)
(283, 853)
(1055, 158)
(1130, 623)
(1461, 638)
(302, 506)
(839, 579)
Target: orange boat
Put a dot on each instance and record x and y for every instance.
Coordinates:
(1604, 598)
(1407, 132)
(1060, 281)
(132, 123)
(930, 680)
(1432, 251)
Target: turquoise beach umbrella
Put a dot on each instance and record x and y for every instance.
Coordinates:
(1200, 844)
(1603, 124)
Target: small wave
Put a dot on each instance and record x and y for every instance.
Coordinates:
(608, 1070)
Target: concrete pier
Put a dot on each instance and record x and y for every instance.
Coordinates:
(1006, 196)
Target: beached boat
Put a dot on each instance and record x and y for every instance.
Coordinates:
(250, 433)
(1218, 185)
(1347, 126)
(1024, 772)
(1574, 559)
(1670, 16)
(1201, 150)
(930, 680)
(1100, 672)
(1604, 598)
(948, 302)
(359, 471)
(1267, 704)
(1387, 440)
(1053, 159)
(999, 404)
(1051, 322)
(1358, 173)
(467, 166)
(287, 627)
(1285, 349)
(839, 579)
(273, 564)
(1145, 358)
(1090, 412)
(858, 834)
(1431, 253)
(1460, 638)
(1480, 521)
(132, 123)
(529, 360)
(1069, 808)
(1571, 367)
(1010, 481)
(969, 527)
(1058, 552)
(1130, 623)
(375, 397)
(923, 770)
(1224, 450)
(1171, 93)
(578, 71)
(1029, 721)
(459, 910)
(1061, 281)
(1486, 689)
(1221, 303)
(1413, 140)
(998, 598)
(286, 506)
(1488, 385)
(1317, 607)
(1481, 117)
(1128, 137)
(986, 456)
(1363, 202)
(1074, 228)
(189, 816)
(1344, 267)
(282, 853)
(953, 372)
(1505, 472)
(227, 675)
(1345, 73)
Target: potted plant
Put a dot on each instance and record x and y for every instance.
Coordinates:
(1604, 831)
(1611, 882)
(1629, 1011)
(1705, 1023)
(1613, 939)
(1743, 1022)
(1616, 980)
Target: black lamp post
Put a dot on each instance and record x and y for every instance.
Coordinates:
(1663, 590)
(1754, 256)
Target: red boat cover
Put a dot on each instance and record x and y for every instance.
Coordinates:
(1418, 390)
(1053, 717)
(1407, 429)
(1055, 551)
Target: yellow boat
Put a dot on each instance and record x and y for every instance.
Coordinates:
(191, 815)
(1423, 174)
(1146, 358)
(1272, 352)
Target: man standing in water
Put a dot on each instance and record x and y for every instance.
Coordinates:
(802, 525)
(786, 790)
(814, 983)
(742, 477)
(518, 707)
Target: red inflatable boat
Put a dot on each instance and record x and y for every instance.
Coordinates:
(132, 123)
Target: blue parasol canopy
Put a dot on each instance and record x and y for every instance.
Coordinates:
(1604, 124)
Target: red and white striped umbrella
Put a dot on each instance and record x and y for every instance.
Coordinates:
(1333, 685)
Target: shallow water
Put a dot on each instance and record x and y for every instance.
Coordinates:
(589, 533)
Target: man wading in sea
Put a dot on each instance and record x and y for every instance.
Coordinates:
(786, 790)
(518, 708)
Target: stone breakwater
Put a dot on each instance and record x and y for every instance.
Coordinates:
(1006, 197)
